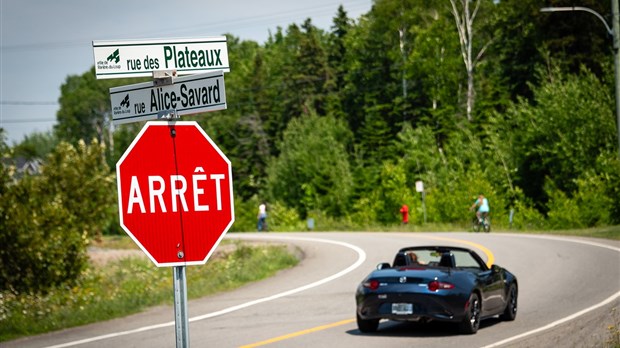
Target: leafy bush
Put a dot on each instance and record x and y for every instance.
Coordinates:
(589, 206)
(279, 217)
(245, 214)
(48, 219)
(283, 218)
(525, 216)
(42, 245)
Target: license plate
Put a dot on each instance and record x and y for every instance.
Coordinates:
(402, 308)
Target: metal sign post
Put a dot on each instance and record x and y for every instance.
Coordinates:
(419, 187)
(181, 322)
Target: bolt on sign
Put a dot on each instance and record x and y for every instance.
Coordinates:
(175, 193)
(139, 58)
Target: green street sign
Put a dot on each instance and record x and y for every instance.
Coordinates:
(134, 58)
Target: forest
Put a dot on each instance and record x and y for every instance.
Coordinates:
(468, 97)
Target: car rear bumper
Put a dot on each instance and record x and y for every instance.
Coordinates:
(425, 307)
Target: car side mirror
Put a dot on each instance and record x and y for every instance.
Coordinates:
(495, 268)
(383, 265)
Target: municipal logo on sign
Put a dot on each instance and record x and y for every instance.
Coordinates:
(119, 59)
(114, 57)
(125, 101)
(187, 95)
(111, 63)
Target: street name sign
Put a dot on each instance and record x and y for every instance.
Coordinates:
(175, 194)
(187, 95)
(139, 58)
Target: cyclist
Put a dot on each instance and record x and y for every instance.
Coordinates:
(483, 207)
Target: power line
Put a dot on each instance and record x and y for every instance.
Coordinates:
(31, 120)
(27, 103)
(245, 22)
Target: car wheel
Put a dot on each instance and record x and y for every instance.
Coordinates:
(471, 322)
(510, 313)
(369, 325)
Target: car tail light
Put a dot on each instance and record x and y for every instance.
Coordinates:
(371, 284)
(437, 285)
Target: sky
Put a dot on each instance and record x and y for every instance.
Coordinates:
(44, 41)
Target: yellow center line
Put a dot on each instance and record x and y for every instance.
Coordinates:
(299, 333)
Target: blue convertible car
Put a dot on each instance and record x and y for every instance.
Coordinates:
(436, 283)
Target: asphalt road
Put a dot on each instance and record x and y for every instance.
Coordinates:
(565, 285)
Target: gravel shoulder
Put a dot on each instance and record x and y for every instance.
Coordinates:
(594, 329)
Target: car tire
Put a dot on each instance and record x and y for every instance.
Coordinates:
(367, 325)
(471, 321)
(510, 313)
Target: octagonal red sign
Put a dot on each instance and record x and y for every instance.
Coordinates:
(175, 193)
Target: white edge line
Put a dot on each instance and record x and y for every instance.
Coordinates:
(570, 317)
(112, 335)
(555, 323)
(361, 258)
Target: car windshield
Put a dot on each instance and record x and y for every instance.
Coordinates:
(437, 258)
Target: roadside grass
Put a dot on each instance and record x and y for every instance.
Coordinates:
(609, 232)
(131, 285)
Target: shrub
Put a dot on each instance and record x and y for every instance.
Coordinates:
(49, 218)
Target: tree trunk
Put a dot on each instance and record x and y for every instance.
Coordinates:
(464, 20)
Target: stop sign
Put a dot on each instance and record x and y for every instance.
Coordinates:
(175, 193)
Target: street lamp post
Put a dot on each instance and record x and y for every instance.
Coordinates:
(614, 31)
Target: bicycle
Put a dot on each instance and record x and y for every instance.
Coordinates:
(482, 224)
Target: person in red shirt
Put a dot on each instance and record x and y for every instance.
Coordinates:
(404, 210)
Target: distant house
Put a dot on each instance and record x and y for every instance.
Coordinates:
(23, 166)
(27, 166)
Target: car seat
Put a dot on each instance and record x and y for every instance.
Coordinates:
(447, 260)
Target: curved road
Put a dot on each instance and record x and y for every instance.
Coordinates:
(564, 283)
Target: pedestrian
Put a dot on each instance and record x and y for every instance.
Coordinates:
(404, 210)
(262, 217)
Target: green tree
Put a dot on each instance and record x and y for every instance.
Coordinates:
(375, 72)
(5, 176)
(297, 72)
(312, 171)
(434, 68)
(337, 49)
(84, 112)
(240, 131)
(567, 129)
(35, 145)
(84, 109)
